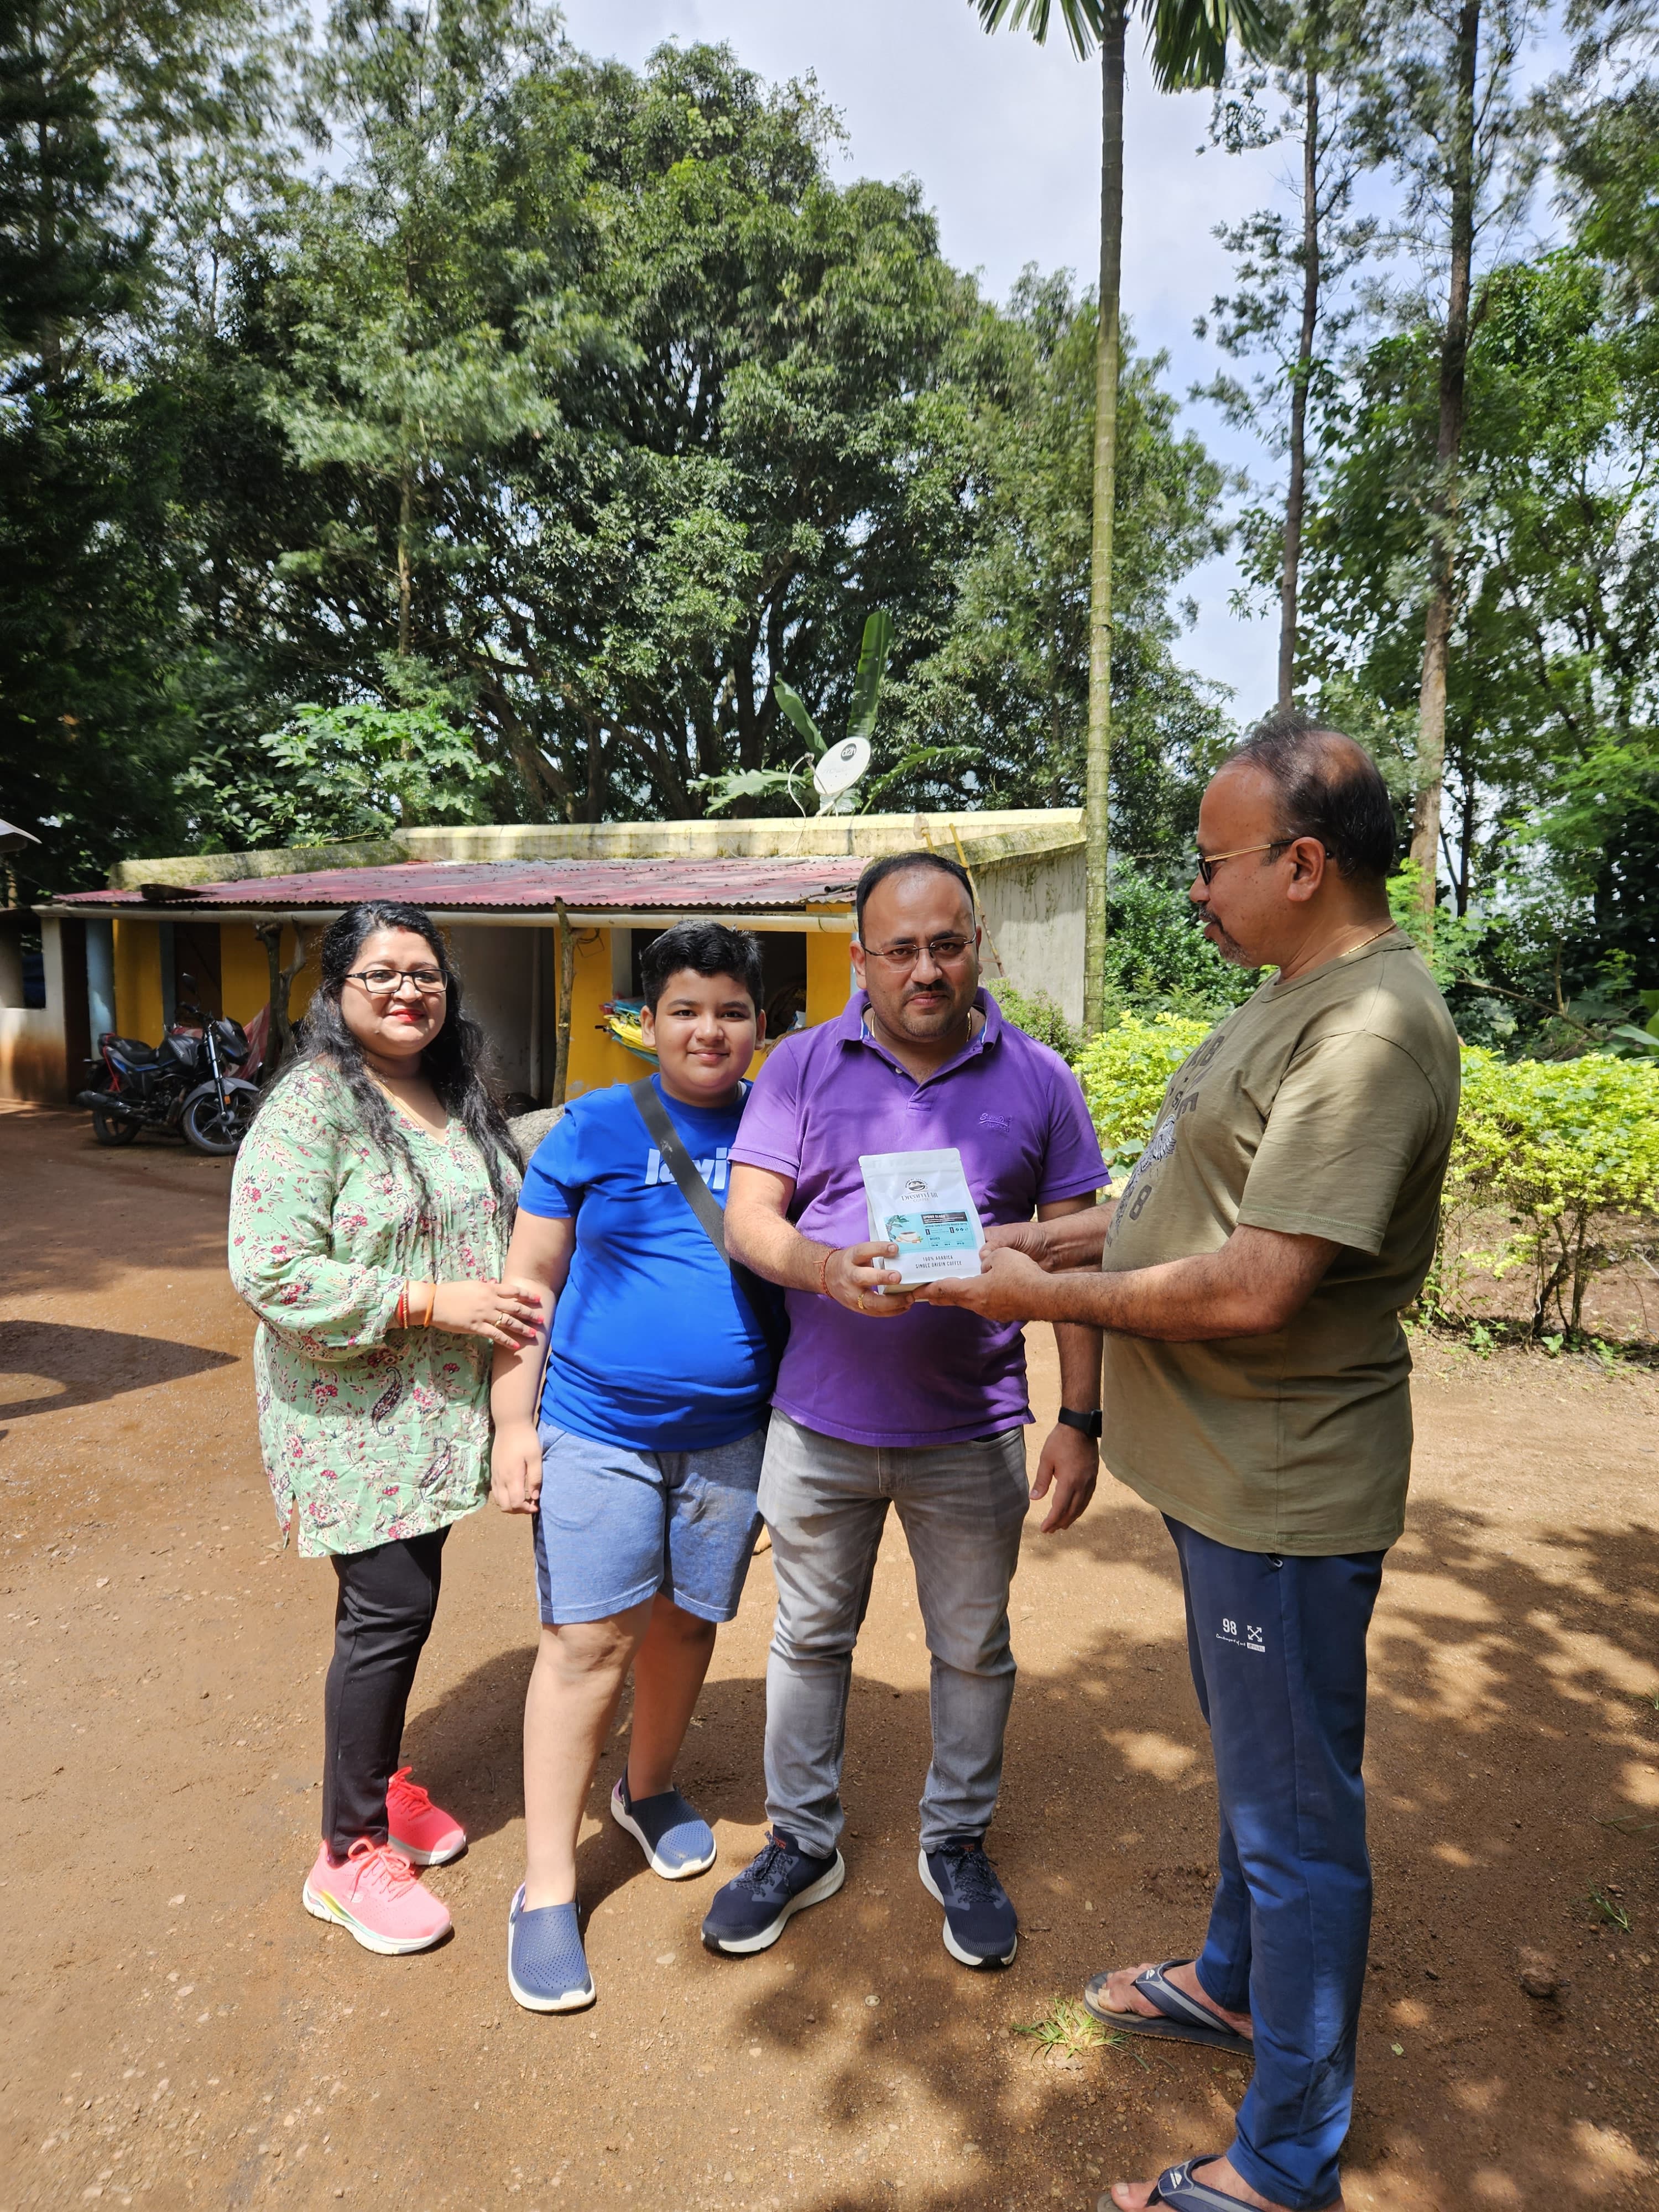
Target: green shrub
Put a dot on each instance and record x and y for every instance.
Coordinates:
(1040, 1017)
(1158, 957)
(1125, 1072)
(1567, 1151)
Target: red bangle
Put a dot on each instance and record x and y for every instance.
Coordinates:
(824, 1273)
(400, 1318)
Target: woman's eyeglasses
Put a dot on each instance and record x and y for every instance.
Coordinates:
(381, 982)
(943, 951)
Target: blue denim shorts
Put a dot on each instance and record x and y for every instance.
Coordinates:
(617, 1526)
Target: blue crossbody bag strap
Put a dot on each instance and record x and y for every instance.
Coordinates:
(711, 1218)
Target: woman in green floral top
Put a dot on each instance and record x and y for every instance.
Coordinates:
(369, 1219)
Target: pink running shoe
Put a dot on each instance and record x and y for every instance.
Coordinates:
(424, 1835)
(377, 1897)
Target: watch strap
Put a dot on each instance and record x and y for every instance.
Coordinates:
(1090, 1425)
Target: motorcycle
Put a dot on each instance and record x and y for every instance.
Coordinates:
(186, 1085)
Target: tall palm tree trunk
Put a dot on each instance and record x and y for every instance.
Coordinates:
(1296, 492)
(1442, 514)
(1097, 794)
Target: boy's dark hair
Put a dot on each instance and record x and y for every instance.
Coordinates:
(707, 948)
(900, 863)
(1329, 788)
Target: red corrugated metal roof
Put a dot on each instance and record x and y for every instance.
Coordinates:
(495, 885)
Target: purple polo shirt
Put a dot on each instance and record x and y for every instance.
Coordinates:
(1014, 1111)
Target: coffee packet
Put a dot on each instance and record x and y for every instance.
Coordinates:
(920, 1201)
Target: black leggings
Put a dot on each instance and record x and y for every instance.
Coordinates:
(388, 1598)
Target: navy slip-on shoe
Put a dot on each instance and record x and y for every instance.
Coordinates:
(982, 1927)
(546, 1966)
(678, 1842)
(751, 1910)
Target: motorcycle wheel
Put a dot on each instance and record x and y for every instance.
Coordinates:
(112, 1128)
(212, 1129)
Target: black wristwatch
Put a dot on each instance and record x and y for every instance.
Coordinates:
(1090, 1423)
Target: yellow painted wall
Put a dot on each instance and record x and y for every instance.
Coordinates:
(244, 971)
(596, 1059)
(138, 979)
(829, 976)
(304, 982)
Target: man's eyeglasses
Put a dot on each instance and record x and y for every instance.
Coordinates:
(381, 982)
(943, 951)
(1206, 867)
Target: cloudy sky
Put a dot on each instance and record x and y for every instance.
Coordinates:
(1005, 136)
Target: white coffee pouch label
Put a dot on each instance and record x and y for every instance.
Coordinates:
(920, 1201)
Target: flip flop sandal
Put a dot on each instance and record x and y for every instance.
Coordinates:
(1175, 2187)
(1181, 2019)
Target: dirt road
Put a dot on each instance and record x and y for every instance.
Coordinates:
(177, 2033)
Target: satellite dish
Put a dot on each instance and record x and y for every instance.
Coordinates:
(840, 768)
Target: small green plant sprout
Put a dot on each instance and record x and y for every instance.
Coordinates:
(1608, 1356)
(1609, 1908)
(1480, 1341)
(1553, 1345)
(1068, 2028)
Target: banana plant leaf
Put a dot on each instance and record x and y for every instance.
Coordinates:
(873, 666)
(750, 783)
(794, 711)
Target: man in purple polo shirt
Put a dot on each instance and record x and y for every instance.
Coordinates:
(883, 1399)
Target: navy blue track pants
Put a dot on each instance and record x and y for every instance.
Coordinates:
(1277, 1651)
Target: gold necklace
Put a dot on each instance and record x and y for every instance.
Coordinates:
(1387, 927)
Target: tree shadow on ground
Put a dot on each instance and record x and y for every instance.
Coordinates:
(91, 1365)
(1514, 1758)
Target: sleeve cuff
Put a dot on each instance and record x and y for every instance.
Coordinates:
(750, 1156)
(545, 1211)
(1362, 1236)
(1074, 1186)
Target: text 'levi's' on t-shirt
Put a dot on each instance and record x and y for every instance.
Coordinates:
(653, 1345)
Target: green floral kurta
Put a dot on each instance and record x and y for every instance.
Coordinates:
(376, 1432)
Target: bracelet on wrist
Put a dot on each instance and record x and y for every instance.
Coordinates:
(431, 1301)
(824, 1273)
(400, 1318)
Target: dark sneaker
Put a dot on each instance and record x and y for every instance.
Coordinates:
(546, 1965)
(982, 1927)
(678, 1842)
(748, 1913)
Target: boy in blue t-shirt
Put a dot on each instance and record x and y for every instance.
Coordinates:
(640, 1457)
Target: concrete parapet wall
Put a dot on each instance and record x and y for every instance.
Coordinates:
(986, 837)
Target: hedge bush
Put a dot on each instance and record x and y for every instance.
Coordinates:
(1567, 1153)
(1125, 1072)
(1564, 1153)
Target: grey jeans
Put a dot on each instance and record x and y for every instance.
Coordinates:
(825, 1502)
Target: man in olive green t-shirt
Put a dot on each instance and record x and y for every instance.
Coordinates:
(1250, 1280)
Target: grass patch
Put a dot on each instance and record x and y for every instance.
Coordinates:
(1068, 2029)
(1609, 1910)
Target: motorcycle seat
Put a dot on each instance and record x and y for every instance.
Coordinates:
(132, 1050)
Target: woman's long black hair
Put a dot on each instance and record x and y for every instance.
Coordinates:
(456, 1063)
